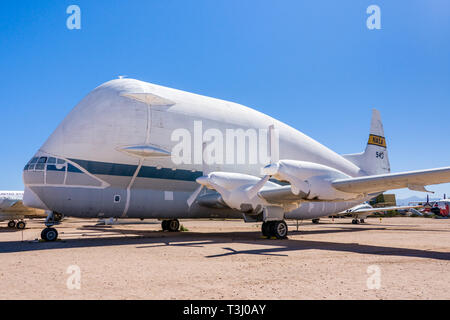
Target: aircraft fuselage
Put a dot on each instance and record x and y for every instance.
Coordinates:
(113, 155)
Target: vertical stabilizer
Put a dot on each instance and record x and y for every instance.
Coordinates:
(374, 160)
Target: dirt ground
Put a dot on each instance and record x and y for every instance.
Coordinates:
(396, 258)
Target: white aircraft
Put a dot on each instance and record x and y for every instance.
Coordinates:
(138, 150)
(13, 210)
(362, 211)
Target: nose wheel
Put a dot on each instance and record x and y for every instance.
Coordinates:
(277, 229)
(49, 234)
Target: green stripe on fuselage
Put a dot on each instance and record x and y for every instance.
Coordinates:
(126, 170)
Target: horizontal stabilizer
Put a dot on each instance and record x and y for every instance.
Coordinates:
(383, 182)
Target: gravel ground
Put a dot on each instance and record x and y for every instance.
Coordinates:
(395, 258)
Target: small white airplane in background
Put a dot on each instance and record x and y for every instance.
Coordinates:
(13, 210)
(362, 211)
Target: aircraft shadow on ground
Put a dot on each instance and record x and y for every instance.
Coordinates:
(6, 229)
(146, 239)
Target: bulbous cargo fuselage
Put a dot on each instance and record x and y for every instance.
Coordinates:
(134, 149)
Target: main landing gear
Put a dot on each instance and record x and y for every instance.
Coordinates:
(49, 233)
(277, 229)
(356, 221)
(170, 225)
(19, 225)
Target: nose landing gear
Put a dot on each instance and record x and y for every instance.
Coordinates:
(49, 233)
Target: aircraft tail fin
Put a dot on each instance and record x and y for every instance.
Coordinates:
(374, 160)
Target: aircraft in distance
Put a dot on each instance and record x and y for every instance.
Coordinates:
(13, 210)
(438, 207)
(441, 207)
(362, 211)
(138, 150)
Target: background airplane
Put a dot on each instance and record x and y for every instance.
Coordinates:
(13, 210)
(113, 157)
(362, 211)
(440, 207)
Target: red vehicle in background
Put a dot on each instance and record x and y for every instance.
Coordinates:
(441, 208)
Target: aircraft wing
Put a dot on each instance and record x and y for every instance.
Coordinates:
(18, 208)
(414, 180)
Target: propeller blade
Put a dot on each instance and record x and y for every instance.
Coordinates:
(194, 196)
(253, 191)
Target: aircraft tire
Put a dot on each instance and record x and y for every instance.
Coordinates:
(49, 234)
(355, 221)
(315, 221)
(362, 221)
(164, 225)
(279, 229)
(173, 225)
(21, 225)
(265, 229)
(11, 224)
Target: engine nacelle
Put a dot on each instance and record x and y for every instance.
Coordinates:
(234, 191)
(310, 178)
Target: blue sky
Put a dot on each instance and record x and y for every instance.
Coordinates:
(311, 64)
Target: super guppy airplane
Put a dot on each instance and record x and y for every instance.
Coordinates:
(138, 150)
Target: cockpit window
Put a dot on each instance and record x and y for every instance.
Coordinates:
(51, 160)
(34, 160)
(40, 163)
